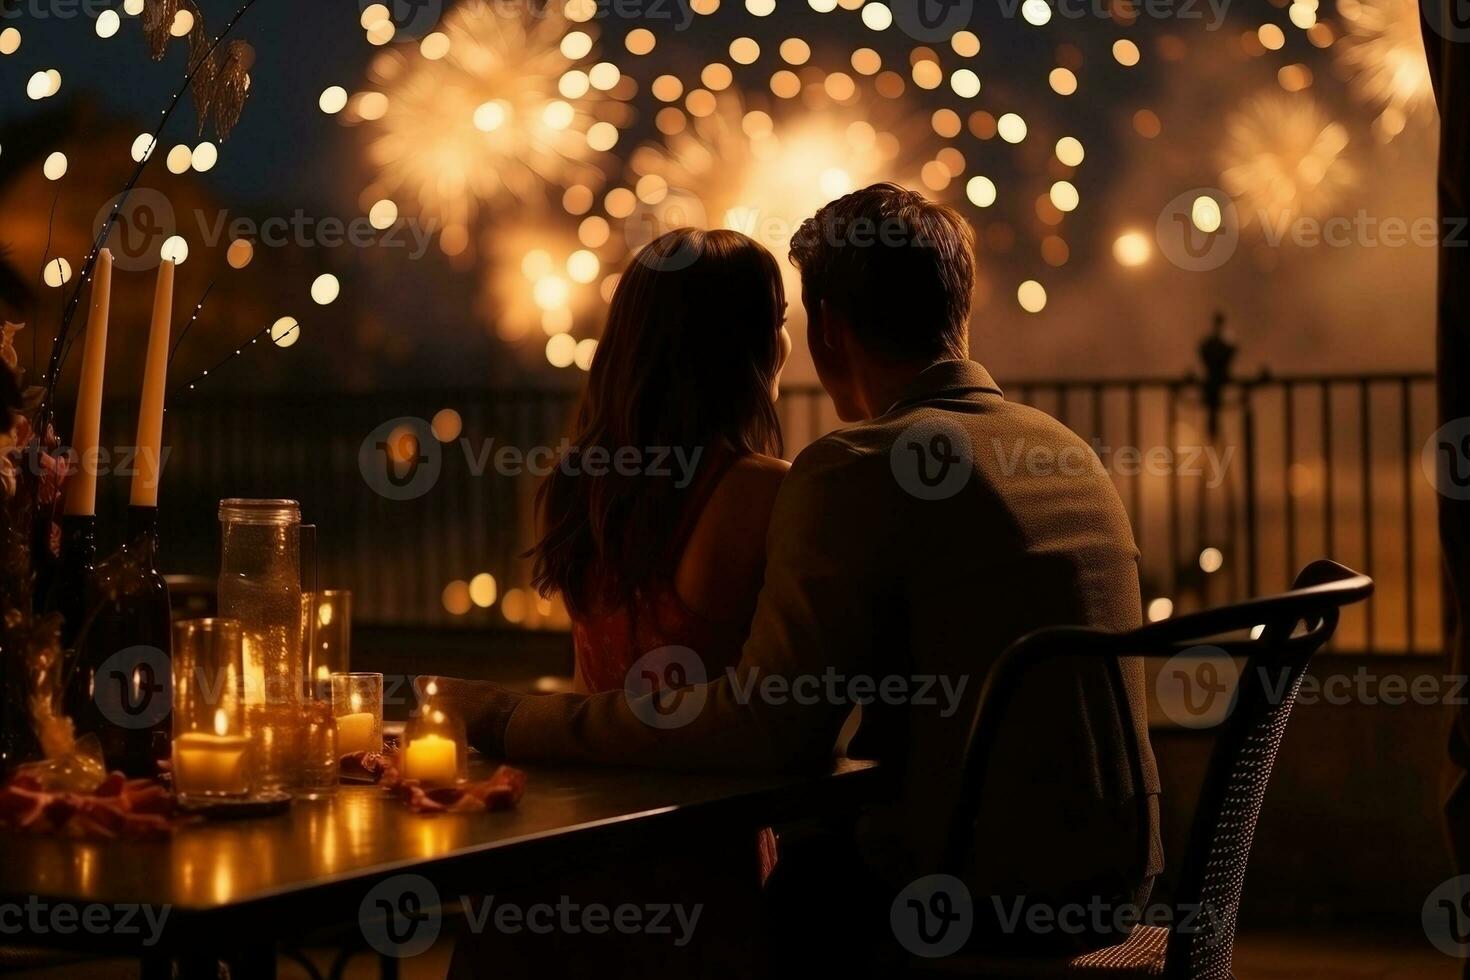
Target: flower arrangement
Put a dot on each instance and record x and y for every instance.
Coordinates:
(32, 666)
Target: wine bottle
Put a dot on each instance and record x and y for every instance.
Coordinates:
(124, 667)
(74, 574)
(74, 597)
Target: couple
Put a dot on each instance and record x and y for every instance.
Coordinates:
(899, 554)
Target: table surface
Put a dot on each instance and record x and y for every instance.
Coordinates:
(294, 861)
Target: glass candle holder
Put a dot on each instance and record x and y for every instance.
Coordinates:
(211, 748)
(435, 751)
(357, 703)
(320, 766)
(328, 630)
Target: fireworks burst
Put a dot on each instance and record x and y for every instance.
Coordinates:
(1284, 158)
(497, 110)
(499, 117)
(763, 172)
(1383, 55)
(540, 281)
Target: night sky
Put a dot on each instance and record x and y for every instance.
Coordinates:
(400, 318)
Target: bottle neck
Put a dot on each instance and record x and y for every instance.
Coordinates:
(79, 540)
(143, 529)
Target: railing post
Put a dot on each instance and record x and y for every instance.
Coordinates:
(1217, 352)
(1248, 435)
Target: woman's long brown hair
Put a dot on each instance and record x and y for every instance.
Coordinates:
(686, 363)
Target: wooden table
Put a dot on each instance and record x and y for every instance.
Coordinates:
(223, 883)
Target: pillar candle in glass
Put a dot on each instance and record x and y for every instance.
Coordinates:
(435, 751)
(211, 752)
(329, 622)
(357, 701)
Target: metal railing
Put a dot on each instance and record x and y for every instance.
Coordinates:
(1232, 484)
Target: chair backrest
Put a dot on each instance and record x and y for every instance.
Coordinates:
(1284, 632)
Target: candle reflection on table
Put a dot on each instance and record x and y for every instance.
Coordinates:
(433, 837)
(218, 862)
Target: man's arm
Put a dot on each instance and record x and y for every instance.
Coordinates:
(814, 621)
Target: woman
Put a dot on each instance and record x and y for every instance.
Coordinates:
(687, 369)
(686, 372)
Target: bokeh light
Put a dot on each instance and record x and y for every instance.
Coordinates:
(285, 332)
(56, 272)
(175, 249)
(446, 425)
(325, 289)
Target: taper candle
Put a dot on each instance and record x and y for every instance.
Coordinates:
(155, 377)
(81, 489)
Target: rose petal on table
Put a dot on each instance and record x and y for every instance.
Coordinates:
(99, 819)
(20, 806)
(445, 795)
(59, 809)
(113, 784)
(364, 767)
(501, 798)
(26, 782)
(152, 800)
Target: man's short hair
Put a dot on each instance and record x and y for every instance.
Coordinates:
(899, 266)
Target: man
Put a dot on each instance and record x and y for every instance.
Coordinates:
(906, 552)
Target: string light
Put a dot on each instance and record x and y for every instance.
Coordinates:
(55, 166)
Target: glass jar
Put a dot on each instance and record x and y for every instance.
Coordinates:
(260, 585)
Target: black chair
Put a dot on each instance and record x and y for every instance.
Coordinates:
(1285, 631)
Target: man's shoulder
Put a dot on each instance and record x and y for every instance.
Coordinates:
(847, 452)
(842, 471)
